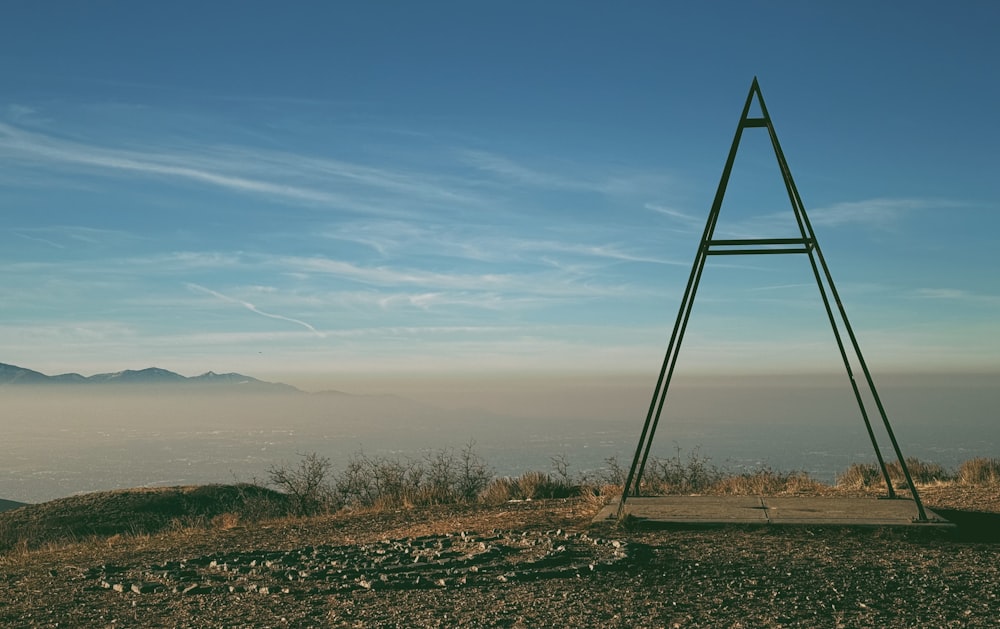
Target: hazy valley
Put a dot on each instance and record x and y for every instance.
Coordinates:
(65, 439)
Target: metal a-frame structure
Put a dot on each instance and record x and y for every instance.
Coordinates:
(806, 244)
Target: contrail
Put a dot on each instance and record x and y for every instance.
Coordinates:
(253, 308)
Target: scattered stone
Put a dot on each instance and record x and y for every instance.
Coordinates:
(145, 588)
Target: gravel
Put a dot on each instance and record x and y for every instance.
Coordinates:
(518, 565)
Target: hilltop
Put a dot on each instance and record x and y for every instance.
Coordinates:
(162, 557)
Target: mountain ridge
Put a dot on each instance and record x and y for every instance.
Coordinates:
(14, 375)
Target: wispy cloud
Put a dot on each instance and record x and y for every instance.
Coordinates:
(19, 113)
(193, 259)
(249, 306)
(551, 284)
(49, 148)
(674, 213)
(878, 212)
(507, 169)
(480, 301)
(44, 241)
(606, 251)
(575, 177)
(954, 294)
(424, 185)
(477, 243)
(245, 171)
(61, 236)
(777, 287)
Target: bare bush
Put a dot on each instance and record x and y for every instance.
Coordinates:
(308, 485)
(441, 476)
(614, 473)
(692, 474)
(473, 473)
(396, 482)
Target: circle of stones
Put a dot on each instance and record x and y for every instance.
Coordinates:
(433, 561)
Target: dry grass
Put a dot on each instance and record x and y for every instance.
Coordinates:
(226, 521)
(979, 471)
(868, 475)
(859, 476)
(766, 482)
(528, 486)
(380, 485)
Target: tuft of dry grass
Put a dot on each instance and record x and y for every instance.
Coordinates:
(860, 476)
(868, 475)
(499, 490)
(226, 521)
(922, 472)
(533, 485)
(979, 471)
(767, 482)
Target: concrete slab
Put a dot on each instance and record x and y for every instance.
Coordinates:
(767, 510)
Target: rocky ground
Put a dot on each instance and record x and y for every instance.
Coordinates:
(528, 564)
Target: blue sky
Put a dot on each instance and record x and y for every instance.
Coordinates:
(323, 189)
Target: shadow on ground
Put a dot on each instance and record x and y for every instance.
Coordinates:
(973, 526)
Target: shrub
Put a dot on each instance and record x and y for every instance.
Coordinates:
(676, 475)
(441, 476)
(614, 473)
(308, 485)
(396, 483)
(474, 473)
(379, 481)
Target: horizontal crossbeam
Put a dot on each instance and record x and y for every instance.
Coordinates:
(760, 241)
(748, 252)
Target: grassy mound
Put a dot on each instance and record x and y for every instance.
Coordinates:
(7, 505)
(136, 512)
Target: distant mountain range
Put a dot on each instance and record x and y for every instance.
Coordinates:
(12, 375)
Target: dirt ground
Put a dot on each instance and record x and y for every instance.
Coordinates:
(527, 564)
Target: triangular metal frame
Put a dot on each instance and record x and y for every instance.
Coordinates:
(806, 244)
